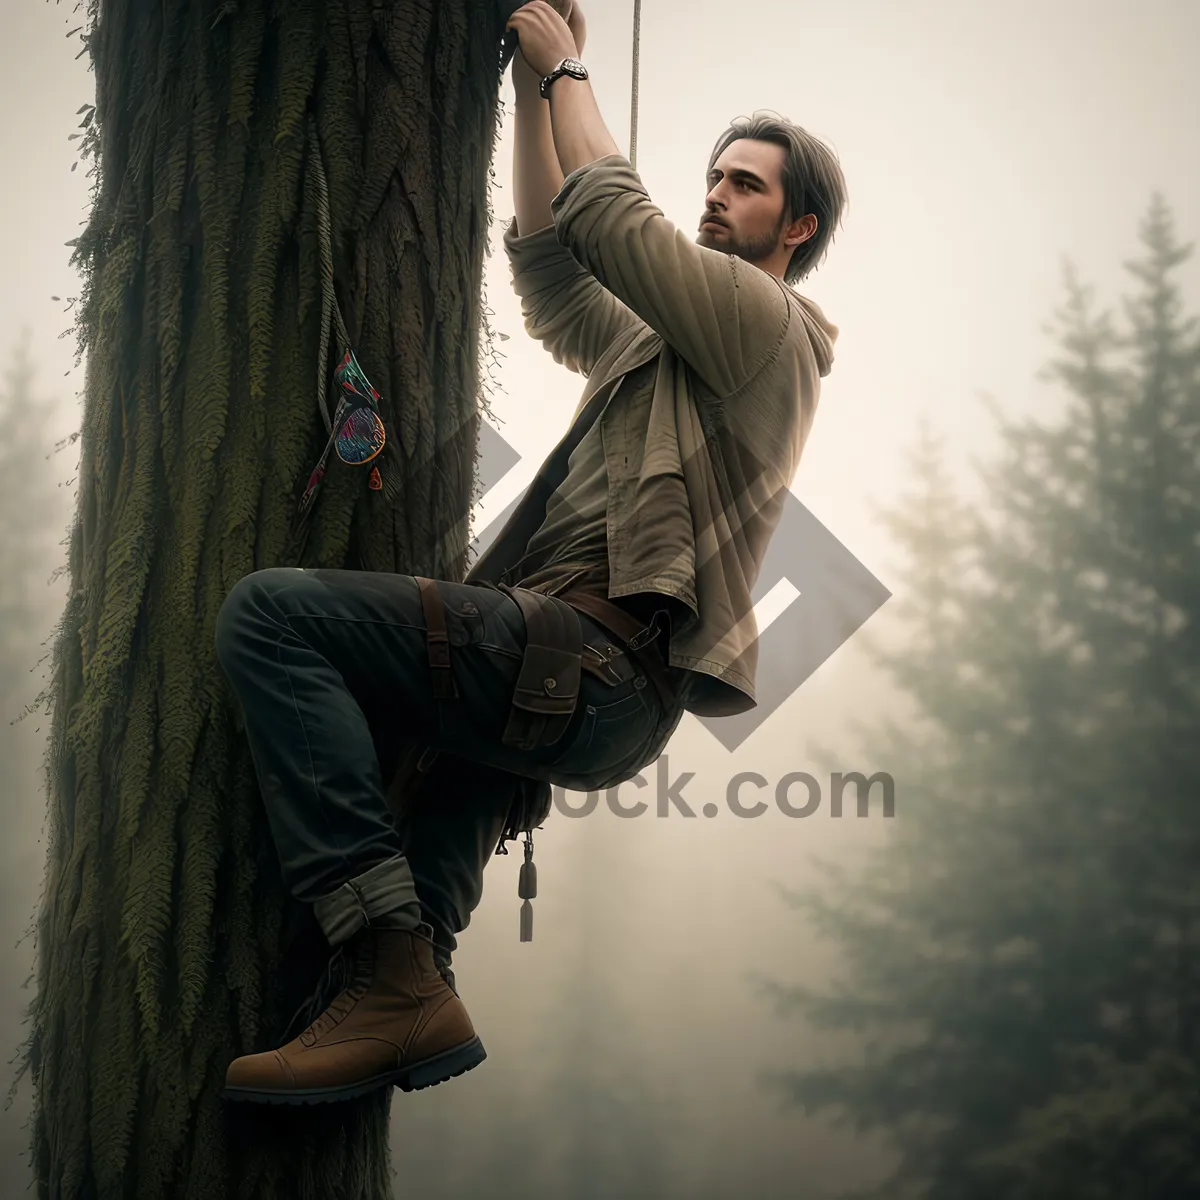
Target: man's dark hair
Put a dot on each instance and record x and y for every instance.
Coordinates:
(812, 183)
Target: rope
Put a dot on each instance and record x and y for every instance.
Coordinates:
(633, 113)
(325, 247)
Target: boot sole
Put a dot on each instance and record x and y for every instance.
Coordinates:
(411, 1078)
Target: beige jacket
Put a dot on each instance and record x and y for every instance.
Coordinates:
(698, 475)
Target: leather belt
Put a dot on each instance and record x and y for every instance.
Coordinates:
(626, 628)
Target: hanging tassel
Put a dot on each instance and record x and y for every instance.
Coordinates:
(356, 430)
(357, 434)
(527, 888)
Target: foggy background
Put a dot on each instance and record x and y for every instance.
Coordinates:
(982, 145)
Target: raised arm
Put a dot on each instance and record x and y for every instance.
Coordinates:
(723, 316)
(537, 177)
(564, 307)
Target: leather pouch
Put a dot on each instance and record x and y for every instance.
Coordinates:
(547, 689)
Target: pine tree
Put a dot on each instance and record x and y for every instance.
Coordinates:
(255, 161)
(1023, 958)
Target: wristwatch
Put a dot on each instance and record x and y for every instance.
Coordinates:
(568, 66)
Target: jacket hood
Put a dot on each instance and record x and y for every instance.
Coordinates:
(822, 333)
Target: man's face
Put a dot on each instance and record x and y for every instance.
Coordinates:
(746, 196)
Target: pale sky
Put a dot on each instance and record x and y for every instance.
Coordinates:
(982, 144)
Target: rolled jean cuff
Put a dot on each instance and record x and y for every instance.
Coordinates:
(383, 896)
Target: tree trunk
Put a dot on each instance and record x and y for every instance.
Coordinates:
(165, 932)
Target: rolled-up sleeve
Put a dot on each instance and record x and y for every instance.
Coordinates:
(564, 306)
(721, 315)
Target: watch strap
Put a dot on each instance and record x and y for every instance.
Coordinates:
(568, 66)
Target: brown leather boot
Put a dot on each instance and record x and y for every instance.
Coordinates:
(396, 1023)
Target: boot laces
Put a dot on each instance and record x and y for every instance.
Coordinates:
(338, 977)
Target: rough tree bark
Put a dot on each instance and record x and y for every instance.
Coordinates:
(164, 932)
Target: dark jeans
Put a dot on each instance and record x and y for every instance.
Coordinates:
(332, 671)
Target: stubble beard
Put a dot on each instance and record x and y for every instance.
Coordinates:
(752, 249)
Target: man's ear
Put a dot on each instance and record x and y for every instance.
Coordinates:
(801, 230)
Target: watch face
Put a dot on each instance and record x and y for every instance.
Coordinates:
(568, 66)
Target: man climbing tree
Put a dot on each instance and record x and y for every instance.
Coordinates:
(285, 190)
(616, 597)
